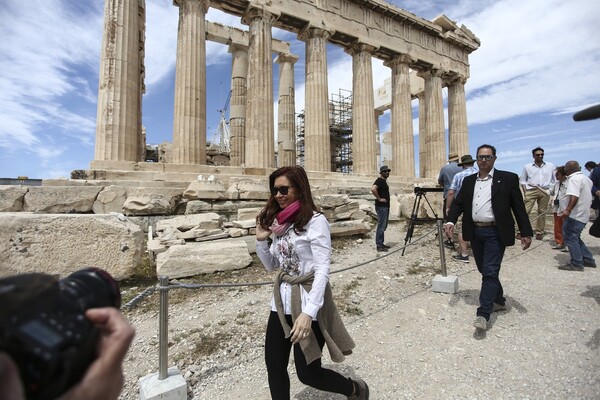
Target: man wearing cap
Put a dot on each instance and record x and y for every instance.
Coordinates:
(381, 191)
(469, 168)
(445, 179)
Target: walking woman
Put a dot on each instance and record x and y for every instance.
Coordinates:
(303, 314)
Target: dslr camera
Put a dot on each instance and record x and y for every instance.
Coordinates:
(44, 329)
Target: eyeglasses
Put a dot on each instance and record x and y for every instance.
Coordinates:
(539, 155)
(386, 172)
(281, 189)
(485, 157)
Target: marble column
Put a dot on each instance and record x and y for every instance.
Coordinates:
(142, 45)
(364, 136)
(118, 127)
(403, 147)
(422, 123)
(286, 118)
(189, 122)
(260, 149)
(435, 143)
(317, 143)
(458, 136)
(237, 111)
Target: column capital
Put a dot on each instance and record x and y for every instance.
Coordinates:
(204, 3)
(310, 32)
(254, 13)
(358, 47)
(399, 59)
(452, 78)
(284, 57)
(233, 47)
(431, 73)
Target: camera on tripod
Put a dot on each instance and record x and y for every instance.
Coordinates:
(422, 190)
(44, 329)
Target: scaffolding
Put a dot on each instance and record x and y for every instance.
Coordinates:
(340, 132)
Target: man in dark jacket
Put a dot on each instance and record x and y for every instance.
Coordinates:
(487, 201)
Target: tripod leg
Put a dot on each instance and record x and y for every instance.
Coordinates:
(411, 223)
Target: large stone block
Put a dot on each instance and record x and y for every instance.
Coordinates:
(186, 222)
(61, 244)
(151, 201)
(202, 258)
(11, 197)
(206, 190)
(61, 199)
(247, 189)
(110, 199)
(348, 228)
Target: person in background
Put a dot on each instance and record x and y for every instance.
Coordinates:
(445, 180)
(577, 215)
(537, 179)
(303, 314)
(467, 163)
(594, 170)
(381, 191)
(104, 377)
(558, 205)
(487, 201)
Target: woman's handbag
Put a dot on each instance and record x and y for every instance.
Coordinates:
(595, 228)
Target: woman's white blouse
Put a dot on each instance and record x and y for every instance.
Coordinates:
(313, 250)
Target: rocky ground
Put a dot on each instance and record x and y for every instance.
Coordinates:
(412, 343)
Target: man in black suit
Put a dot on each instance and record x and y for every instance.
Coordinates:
(488, 201)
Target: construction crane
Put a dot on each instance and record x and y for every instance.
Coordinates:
(221, 137)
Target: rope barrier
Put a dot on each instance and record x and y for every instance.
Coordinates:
(150, 290)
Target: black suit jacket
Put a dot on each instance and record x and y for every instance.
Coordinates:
(506, 201)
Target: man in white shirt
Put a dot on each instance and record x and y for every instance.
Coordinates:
(579, 192)
(537, 180)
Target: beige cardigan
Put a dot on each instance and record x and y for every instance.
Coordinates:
(338, 340)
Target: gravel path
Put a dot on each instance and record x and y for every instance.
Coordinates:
(412, 343)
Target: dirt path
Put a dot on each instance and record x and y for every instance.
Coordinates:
(412, 343)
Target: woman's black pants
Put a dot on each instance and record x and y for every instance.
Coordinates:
(277, 356)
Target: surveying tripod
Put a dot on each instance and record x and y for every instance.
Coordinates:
(420, 194)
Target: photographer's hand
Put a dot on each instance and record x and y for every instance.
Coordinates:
(104, 378)
(10, 381)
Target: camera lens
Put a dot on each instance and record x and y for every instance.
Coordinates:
(92, 287)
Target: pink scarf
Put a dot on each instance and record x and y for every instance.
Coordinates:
(281, 223)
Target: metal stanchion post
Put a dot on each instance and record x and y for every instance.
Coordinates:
(442, 251)
(163, 331)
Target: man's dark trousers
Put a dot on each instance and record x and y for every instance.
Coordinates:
(383, 214)
(488, 252)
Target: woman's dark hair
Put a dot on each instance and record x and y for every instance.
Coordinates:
(591, 164)
(299, 180)
(561, 170)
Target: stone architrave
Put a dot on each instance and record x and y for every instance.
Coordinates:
(364, 135)
(403, 149)
(237, 111)
(317, 145)
(62, 244)
(286, 126)
(435, 143)
(189, 122)
(458, 136)
(118, 122)
(259, 102)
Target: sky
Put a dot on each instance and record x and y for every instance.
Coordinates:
(538, 63)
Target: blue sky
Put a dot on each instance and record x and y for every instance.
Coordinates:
(538, 63)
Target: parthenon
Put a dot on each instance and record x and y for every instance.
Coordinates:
(437, 51)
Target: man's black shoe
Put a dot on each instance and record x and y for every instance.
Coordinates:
(386, 246)
(381, 248)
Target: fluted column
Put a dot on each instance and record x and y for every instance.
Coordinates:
(189, 122)
(141, 49)
(118, 127)
(317, 145)
(237, 111)
(364, 137)
(403, 147)
(422, 124)
(435, 143)
(458, 136)
(286, 124)
(260, 149)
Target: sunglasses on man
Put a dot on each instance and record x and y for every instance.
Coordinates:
(485, 157)
(281, 189)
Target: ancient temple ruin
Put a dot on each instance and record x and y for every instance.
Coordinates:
(435, 51)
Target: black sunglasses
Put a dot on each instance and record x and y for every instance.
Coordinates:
(485, 157)
(281, 189)
(539, 155)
